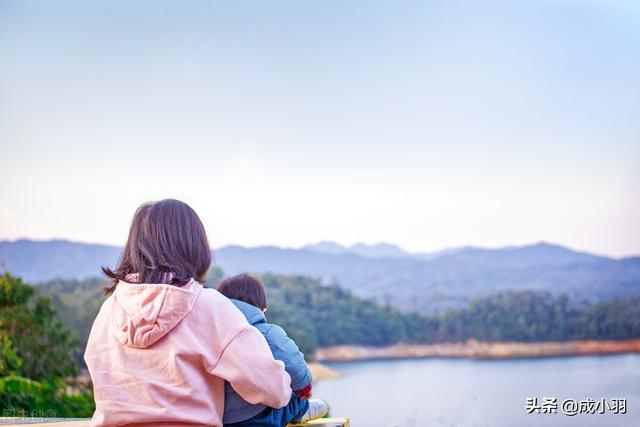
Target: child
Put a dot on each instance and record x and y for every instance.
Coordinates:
(249, 295)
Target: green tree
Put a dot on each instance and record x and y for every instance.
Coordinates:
(37, 356)
(35, 343)
(214, 276)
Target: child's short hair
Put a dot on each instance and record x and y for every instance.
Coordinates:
(246, 288)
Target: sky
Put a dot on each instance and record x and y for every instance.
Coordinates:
(424, 124)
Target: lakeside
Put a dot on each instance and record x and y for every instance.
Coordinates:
(465, 392)
(473, 349)
(322, 372)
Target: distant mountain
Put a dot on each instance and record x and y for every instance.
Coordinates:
(37, 261)
(449, 279)
(326, 248)
(426, 256)
(378, 250)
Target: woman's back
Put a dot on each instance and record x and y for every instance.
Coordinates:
(158, 353)
(161, 346)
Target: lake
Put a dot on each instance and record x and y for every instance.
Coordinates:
(460, 392)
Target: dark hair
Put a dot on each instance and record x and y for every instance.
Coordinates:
(246, 288)
(167, 244)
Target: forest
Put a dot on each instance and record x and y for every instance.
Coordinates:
(316, 315)
(44, 328)
(322, 316)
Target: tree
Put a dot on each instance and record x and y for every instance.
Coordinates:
(35, 343)
(214, 276)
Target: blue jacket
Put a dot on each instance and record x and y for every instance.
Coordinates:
(283, 348)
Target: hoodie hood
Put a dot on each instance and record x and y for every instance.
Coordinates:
(143, 313)
(253, 314)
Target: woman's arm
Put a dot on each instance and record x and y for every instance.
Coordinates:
(237, 352)
(248, 365)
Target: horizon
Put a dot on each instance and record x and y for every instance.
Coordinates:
(430, 125)
(349, 247)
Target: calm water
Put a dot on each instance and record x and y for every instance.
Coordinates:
(450, 392)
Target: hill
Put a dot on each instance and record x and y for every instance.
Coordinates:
(425, 283)
(36, 261)
(319, 316)
(451, 279)
(378, 250)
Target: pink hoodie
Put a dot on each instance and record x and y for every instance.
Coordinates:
(159, 355)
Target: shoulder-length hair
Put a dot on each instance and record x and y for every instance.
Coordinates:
(167, 244)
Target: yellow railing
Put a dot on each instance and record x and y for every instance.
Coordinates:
(57, 422)
(325, 422)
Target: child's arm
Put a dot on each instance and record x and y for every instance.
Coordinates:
(285, 349)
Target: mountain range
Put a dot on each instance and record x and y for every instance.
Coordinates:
(378, 250)
(426, 283)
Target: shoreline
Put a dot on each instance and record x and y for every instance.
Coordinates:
(473, 349)
(322, 372)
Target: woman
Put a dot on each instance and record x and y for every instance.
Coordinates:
(161, 346)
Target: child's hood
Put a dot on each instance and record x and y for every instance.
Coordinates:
(142, 314)
(253, 314)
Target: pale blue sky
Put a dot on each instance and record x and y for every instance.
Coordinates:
(426, 124)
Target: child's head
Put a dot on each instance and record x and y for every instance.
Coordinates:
(245, 288)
